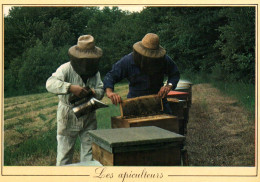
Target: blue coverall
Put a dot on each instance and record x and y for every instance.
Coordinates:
(141, 84)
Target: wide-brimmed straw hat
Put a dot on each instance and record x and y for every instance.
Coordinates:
(85, 48)
(149, 46)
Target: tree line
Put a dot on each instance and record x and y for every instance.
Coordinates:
(215, 40)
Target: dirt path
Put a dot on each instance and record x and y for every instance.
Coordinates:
(220, 131)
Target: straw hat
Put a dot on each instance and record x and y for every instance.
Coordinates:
(149, 46)
(85, 48)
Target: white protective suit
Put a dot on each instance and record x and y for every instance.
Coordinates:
(68, 126)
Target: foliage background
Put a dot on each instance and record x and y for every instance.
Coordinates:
(214, 41)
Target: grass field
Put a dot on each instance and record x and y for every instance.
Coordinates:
(30, 127)
(220, 129)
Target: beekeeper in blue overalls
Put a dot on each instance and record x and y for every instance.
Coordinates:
(145, 69)
(70, 79)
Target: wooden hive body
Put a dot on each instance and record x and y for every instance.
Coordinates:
(164, 121)
(180, 109)
(144, 111)
(140, 146)
(184, 87)
(181, 96)
(141, 106)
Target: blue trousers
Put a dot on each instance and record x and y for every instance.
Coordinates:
(166, 106)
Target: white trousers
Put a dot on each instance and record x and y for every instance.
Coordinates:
(66, 141)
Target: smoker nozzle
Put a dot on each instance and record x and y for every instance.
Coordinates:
(88, 106)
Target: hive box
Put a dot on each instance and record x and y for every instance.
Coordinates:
(139, 146)
(180, 96)
(184, 87)
(144, 111)
(179, 108)
(164, 121)
(141, 106)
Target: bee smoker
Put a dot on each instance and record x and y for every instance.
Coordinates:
(81, 106)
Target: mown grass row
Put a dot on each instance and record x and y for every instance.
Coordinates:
(38, 144)
(12, 101)
(42, 145)
(31, 108)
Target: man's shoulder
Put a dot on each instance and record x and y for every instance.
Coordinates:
(126, 60)
(127, 57)
(167, 57)
(65, 67)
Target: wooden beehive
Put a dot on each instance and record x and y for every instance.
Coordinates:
(181, 96)
(138, 146)
(184, 87)
(144, 111)
(164, 121)
(180, 109)
(141, 106)
(183, 83)
(177, 107)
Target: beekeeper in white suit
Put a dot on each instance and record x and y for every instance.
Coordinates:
(68, 80)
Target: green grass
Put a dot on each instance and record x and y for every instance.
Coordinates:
(29, 108)
(20, 122)
(44, 144)
(104, 116)
(243, 92)
(42, 116)
(20, 129)
(40, 145)
(48, 123)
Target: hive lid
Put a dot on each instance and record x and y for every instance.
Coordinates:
(182, 88)
(183, 85)
(125, 137)
(185, 82)
(171, 93)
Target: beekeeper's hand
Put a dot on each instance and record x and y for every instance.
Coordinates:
(78, 91)
(164, 91)
(115, 98)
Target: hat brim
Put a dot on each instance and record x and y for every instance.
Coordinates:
(157, 53)
(93, 53)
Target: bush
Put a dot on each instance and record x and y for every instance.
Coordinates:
(28, 73)
(39, 62)
(236, 43)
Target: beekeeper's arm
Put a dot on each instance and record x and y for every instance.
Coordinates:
(56, 84)
(98, 89)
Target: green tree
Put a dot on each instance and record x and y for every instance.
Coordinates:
(59, 33)
(237, 43)
(189, 34)
(39, 62)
